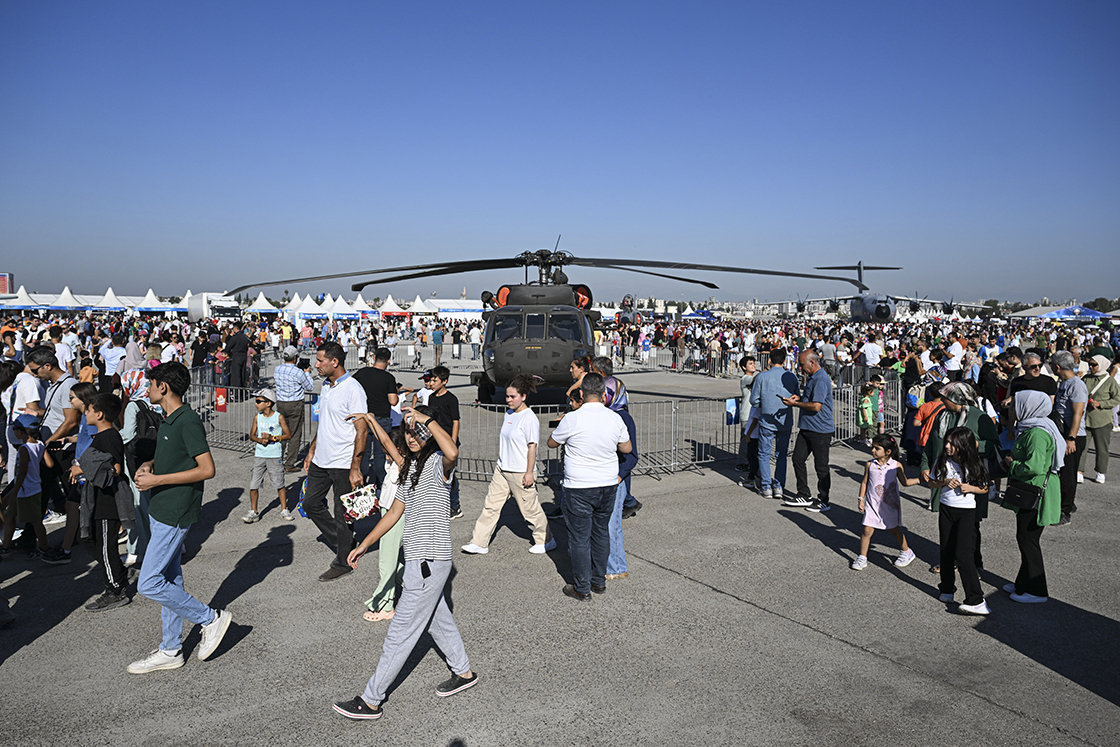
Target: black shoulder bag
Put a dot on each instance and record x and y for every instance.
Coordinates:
(1024, 496)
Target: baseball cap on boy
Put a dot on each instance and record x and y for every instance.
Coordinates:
(27, 422)
(266, 394)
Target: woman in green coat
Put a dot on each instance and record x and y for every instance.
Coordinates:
(1035, 460)
(1104, 395)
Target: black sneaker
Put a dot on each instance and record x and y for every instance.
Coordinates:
(56, 556)
(456, 513)
(108, 601)
(799, 501)
(1064, 520)
(456, 684)
(818, 506)
(741, 468)
(358, 709)
(628, 511)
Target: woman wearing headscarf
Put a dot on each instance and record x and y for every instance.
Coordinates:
(961, 410)
(134, 384)
(1036, 460)
(1104, 395)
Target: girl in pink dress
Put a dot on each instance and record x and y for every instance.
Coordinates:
(879, 499)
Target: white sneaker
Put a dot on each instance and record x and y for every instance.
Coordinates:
(1099, 479)
(905, 558)
(286, 515)
(975, 609)
(541, 549)
(212, 634)
(945, 598)
(474, 549)
(251, 517)
(158, 659)
(54, 517)
(859, 563)
(129, 560)
(1080, 477)
(1028, 599)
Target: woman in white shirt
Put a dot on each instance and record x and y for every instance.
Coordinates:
(515, 473)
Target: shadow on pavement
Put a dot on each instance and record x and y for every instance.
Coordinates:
(213, 513)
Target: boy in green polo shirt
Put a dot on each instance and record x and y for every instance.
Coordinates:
(175, 477)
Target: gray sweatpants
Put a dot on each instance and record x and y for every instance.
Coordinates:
(422, 606)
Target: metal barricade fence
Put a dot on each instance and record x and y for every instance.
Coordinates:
(672, 435)
(228, 413)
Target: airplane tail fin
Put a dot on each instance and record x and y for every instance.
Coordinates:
(859, 267)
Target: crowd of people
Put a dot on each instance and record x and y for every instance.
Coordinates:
(99, 437)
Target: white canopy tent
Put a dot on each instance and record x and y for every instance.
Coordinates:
(308, 309)
(341, 310)
(419, 307)
(262, 306)
(390, 307)
(22, 300)
(150, 304)
(109, 302)
(67, 302)
(293, 305)
(362, 307)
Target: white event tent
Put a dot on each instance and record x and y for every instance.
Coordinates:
(341, 310)
(262, 306)
(109, 302)
(308, 309)
(150, 304)
(362, 307)
(67, 302)
(419, 307)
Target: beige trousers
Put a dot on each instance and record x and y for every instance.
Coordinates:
(501, 487)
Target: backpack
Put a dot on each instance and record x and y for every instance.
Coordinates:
(142, 448)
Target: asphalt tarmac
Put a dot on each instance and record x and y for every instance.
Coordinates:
(740, 624)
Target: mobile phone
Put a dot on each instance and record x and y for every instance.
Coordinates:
(425, 571)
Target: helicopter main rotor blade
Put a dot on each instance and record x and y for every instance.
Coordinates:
(413, 276)
(442, 268)
(599, 262)
(704, 283)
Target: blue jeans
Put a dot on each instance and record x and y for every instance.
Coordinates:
(777, 443)
(587, 512)
(161, 580)
(616, 561)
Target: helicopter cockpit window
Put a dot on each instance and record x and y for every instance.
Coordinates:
(534, 326)
(564, 327)
(507, 327)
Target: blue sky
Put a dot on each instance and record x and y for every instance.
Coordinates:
(208, 145)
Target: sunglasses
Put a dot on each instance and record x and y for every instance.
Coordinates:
(1037, 365)
(262, 401)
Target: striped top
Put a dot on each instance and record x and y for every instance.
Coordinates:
(427, 512)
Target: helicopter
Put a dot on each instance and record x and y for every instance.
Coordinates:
(877, 307)
(538, 327)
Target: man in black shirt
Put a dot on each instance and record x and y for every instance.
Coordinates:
(237, 348)
(381, 396)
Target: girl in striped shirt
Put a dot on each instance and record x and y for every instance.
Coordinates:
(423, 498)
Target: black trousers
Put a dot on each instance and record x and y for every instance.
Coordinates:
(817, 444)
(1068, 476)
(293, 414)
(335, 528)
(102, 545)
(958, 536)
(1031, 578)
(748, 454)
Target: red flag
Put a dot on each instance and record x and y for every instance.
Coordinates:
(220, 396)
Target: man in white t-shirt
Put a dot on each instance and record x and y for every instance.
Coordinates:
(335, 457)
(872, 352)
(62, 352)
(592, 437)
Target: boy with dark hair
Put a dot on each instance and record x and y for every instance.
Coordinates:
(445, 407)
(102, 514)
(175, 478)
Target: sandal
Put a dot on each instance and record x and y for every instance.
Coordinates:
(378, 616)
